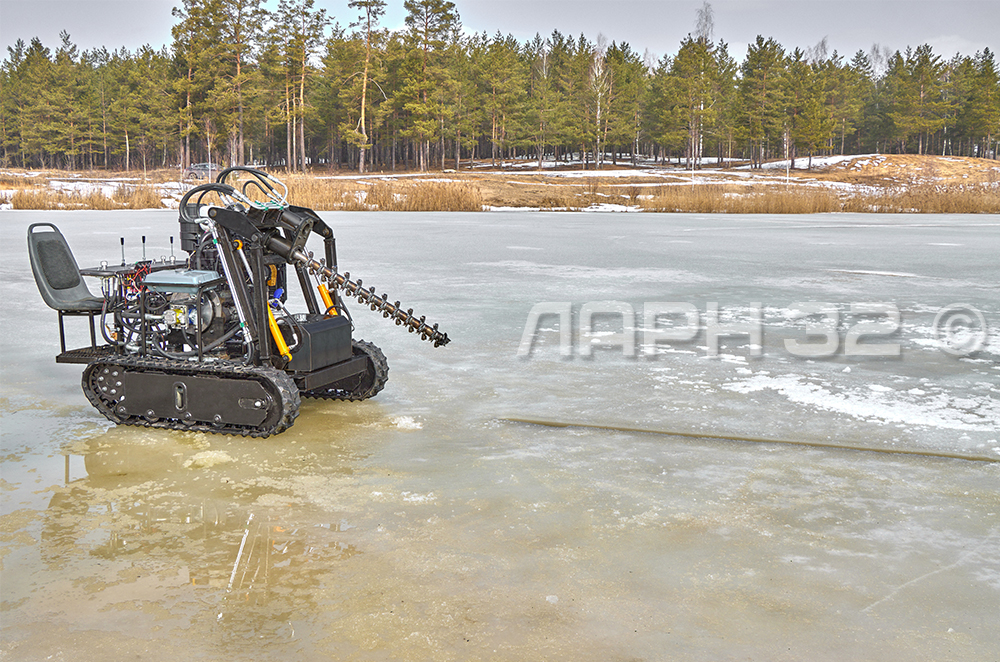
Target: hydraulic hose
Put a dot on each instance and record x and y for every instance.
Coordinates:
(194, 352)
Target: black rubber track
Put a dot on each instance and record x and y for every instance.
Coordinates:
(283, 391)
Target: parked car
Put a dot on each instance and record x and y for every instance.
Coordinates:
(202, 171)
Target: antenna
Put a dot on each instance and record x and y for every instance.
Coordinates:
(123, 251)
(143, 248)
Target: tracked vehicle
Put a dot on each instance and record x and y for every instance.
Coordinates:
(208, 343)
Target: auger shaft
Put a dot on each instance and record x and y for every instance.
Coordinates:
(370, 298)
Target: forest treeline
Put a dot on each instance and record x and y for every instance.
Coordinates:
(290, 88)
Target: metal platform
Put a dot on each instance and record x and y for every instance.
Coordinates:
(85, 355)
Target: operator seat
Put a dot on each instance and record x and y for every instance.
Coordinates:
(58, 278)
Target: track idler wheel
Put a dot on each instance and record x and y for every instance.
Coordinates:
(374, 378)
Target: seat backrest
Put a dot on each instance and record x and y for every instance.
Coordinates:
(55, 269)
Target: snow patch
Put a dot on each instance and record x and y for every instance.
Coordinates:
(939, 410)
(407, 423)
(207, 459)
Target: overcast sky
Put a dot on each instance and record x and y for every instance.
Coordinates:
(949, 26)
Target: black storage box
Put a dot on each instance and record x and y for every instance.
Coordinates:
(324, 341)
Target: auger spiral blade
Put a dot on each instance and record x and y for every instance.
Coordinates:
(381, 303)
(366, 296)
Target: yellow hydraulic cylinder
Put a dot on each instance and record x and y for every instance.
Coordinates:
(279, 339)
(324, 293)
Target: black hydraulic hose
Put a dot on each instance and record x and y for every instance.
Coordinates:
(104, 327)
(342, 309)
(261, 180)
(297, 331)
(196, 258)
(194, 352)
(201, 191)
(120, 320)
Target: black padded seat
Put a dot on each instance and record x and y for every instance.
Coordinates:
(58, 277)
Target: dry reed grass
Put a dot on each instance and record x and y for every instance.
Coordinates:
(901, 185)
(324, 194)
(732, 199)
(567, 201)
(927, 200)
(43, 199)
(381, 195)
(437, 196)
(125, 197)
(97, 200)
(18, 181)
(136, 197)
(336, 195)
(632, 192)
(729, 199)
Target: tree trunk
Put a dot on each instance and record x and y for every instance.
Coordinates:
(239, 96)
(364, 93)
(289, 133)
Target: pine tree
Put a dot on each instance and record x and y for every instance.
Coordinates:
(10, 101)
(13, 100)
(239, 24)
(662, 120)
(763, 96)
(799, 89)
(727, 116)
(578, 102)
(980, 114)
(338, 91)
(696, 93)
(391, 114)
(816, 124)
(468, 107)
(147, 88)
(301, 28)
(205, 98)
(269, 112)
(446, 94)
(66, 99)
(564, 86)
(37, 114)
(919, 108)
(846, 85)
(628, 80)
(504, 85)
(431, 25)
(371, 12)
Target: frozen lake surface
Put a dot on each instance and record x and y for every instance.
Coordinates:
(426, 525)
